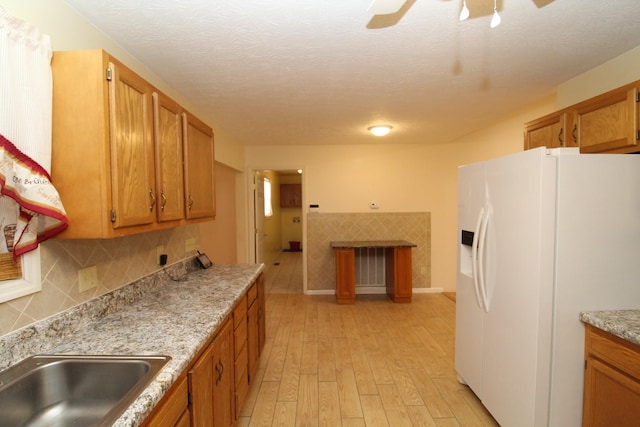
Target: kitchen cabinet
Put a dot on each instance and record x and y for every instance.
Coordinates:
(211, 384)
(117, 150)
(290, 195)
(554, 130)
(607, 123)
(172, 411)
(240, 325)
(611, 380)
(167, 133)
(253, 337)
(262, 326)
(198, 168)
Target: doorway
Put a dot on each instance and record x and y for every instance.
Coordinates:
(278, 222)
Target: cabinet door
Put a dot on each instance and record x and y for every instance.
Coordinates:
(223, 384)
(199, 162)
(262, 300)
(131, 146)
(168, 144)
(253, 339)
(608, 123)
(611, 398)
(290, 195)
(201, 379)
(554, 130)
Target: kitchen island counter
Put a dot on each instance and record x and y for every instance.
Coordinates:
(624, 324)
(153, 316)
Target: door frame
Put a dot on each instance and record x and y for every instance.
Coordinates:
(250, 216)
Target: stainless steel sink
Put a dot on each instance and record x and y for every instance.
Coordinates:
(59, 391)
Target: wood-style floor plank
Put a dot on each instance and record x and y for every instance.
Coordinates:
(373, 363)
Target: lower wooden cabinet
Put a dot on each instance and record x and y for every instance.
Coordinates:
(345, 259)
(214, 387)
(173, 410)
(611, 380)
(211, 382)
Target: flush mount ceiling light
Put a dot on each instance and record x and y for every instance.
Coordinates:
(380, 130)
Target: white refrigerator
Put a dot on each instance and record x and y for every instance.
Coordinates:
(542, 235)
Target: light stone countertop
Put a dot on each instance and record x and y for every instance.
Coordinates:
(153, 316)
(621, 323)
(373, 244)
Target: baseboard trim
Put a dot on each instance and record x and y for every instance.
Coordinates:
(372, 290)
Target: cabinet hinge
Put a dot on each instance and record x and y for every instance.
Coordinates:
(638, 135)
(638, 97)
(109, 74)
(113, 215)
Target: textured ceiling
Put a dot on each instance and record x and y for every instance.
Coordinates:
(322, 71)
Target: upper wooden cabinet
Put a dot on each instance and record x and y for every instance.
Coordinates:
(552, 131)
(117, 149)
(607, 123)
(168, 144)
(198, 168)
(290, 195)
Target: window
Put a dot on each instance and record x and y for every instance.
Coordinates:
(268, 210)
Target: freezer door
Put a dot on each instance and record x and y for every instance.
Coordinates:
(469, 313)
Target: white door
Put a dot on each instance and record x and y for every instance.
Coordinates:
(515, 373)
(258, 220)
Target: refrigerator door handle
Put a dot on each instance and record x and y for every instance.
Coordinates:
(482, 241)
(474, 257)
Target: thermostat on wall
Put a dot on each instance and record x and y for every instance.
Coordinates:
(314, 208)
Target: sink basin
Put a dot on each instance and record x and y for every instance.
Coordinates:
(59, 391)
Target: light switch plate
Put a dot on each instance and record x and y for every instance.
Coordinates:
(88, 278)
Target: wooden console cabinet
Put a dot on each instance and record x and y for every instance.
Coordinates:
(611, 380)
(398, 274)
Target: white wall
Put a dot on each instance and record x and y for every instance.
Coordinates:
(400, 178)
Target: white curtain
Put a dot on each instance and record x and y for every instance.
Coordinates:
(30, 207)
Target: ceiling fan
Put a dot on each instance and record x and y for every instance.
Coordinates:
(386, 7)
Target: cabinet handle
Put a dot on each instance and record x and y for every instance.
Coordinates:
(218, 371)
(561, 137)
(153, 200)
(164, 200)
(574, 133)
(190, 201)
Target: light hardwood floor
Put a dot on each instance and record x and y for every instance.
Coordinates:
(374, 363)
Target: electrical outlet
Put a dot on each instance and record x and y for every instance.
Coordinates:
(190, 245)
(88, 278)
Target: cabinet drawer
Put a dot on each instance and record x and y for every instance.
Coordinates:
(240, 338)
(613, 350)
(252, 293)
(240, 313)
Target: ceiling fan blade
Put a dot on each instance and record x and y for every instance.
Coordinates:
(385, 7)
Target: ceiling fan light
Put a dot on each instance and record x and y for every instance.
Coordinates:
(380, 130)
(495, 19)
(464, 13)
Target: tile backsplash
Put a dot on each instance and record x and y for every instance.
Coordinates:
(323, 228)
(119, 262)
